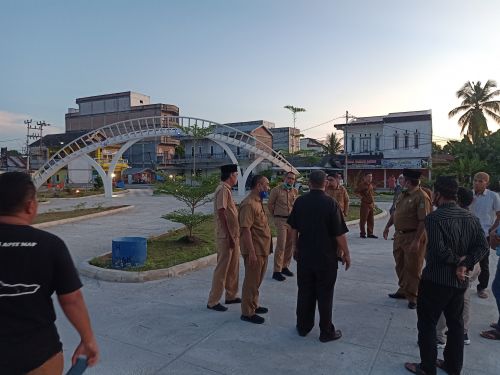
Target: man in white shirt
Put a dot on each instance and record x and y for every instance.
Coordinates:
(486, 206)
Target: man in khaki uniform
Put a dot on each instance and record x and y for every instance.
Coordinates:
(255, 248)
(408, 217)
(337, 192)
(227, 233)
(280, 205)
(366, 210)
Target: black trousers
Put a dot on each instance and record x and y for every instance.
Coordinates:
(315, 285)
(484, 275)
(433, 299)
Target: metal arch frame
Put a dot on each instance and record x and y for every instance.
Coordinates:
(131, 131)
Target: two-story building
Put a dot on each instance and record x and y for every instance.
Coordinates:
(385, 145)
(286, 139)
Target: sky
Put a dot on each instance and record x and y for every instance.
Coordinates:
(235, 60)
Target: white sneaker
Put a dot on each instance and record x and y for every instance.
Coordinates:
(466, 339)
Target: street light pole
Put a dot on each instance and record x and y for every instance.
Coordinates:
(345, 147)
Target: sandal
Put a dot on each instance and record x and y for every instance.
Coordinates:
(492, 334)
(414, 368)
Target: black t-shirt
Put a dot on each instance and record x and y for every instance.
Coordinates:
(318, 220)
(33, 265)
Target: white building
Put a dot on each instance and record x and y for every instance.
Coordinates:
(385, 145)
(312, 145)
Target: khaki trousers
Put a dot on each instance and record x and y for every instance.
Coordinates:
(366, 218)
(253, 278)
(226, 273)
(284, 251)
(408, 264)
(53, 366)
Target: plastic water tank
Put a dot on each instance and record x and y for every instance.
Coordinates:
(128, 252)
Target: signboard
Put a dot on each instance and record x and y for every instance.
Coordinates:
(404, 163)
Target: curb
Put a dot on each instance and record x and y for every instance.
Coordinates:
(80, 218)
(121, 192)
(105, 274)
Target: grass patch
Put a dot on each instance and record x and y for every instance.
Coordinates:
(170, 249)
(60, 215)
(71, 193)
(354, 212)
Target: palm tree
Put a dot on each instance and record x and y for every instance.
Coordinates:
(333, 144)
(294, 111)
(476, 102)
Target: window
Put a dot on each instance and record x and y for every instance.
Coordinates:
(225, 153)
(199, 150)
(407, 140)
(237, 150)
(365, 144)
(353, 143)
(377, 142)
(416, 139)
(396, 141)
(192, 150)
(211, 150)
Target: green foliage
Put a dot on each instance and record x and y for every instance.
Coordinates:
(476, 103)
(334, 144)
(193, 196)
(190, 219)
(98, 182)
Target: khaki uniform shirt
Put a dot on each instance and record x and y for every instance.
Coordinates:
(224, 199)
(411, 209)
(281, 201)
(252, 216)
(341, 197)
(365, 191)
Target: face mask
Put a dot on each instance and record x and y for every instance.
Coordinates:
(263, 194)
(287, 186)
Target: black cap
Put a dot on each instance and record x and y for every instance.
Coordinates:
(411, 173)
(229, 168)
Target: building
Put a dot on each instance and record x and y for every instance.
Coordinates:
(312, 145)
(286, 139)
(11, 162)
(385, 145)
(206, 156)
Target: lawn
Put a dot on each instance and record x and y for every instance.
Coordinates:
(60, 215)
(71, 193)
(169, 249)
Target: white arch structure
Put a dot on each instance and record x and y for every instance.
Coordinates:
(131, 131)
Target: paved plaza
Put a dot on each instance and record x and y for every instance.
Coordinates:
(164, 327)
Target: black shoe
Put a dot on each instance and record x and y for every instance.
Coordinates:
(261, 310)
(285, 271)
(412, 305)
(253, 319)
(302, 332)
(372, 236)
(330, 336)
(397, 295)
(230, 301)
(217, 307)
(278, 276)
(362, 235)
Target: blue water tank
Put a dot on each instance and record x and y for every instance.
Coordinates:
(128, 252)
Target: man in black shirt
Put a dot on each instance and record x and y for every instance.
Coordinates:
(456, 243)
(318, 231)
(33, 265)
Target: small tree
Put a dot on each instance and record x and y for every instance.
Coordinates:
(193, 196)
(333, 144)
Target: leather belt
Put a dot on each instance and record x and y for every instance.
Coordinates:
(406, 231)
(283, 217)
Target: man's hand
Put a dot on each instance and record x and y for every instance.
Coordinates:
(461, 273)
(345, 257)
(88, 349)
(494, 240)
(386, 233)
(252, 259)
(231, 242)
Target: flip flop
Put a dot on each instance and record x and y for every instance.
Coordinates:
(492, 334)
(414, 368)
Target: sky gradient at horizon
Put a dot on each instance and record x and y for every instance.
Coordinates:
(230, 61)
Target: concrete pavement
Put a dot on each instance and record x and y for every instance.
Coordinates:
(163, 327)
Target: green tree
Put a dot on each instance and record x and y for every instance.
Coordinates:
(436, 149)
(294, 111)
(476, 103)
(333, 144)
(193, 196)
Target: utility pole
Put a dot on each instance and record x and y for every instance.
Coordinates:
(345, 147)
(33, 132)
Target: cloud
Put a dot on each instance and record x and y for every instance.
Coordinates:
(13, 129)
